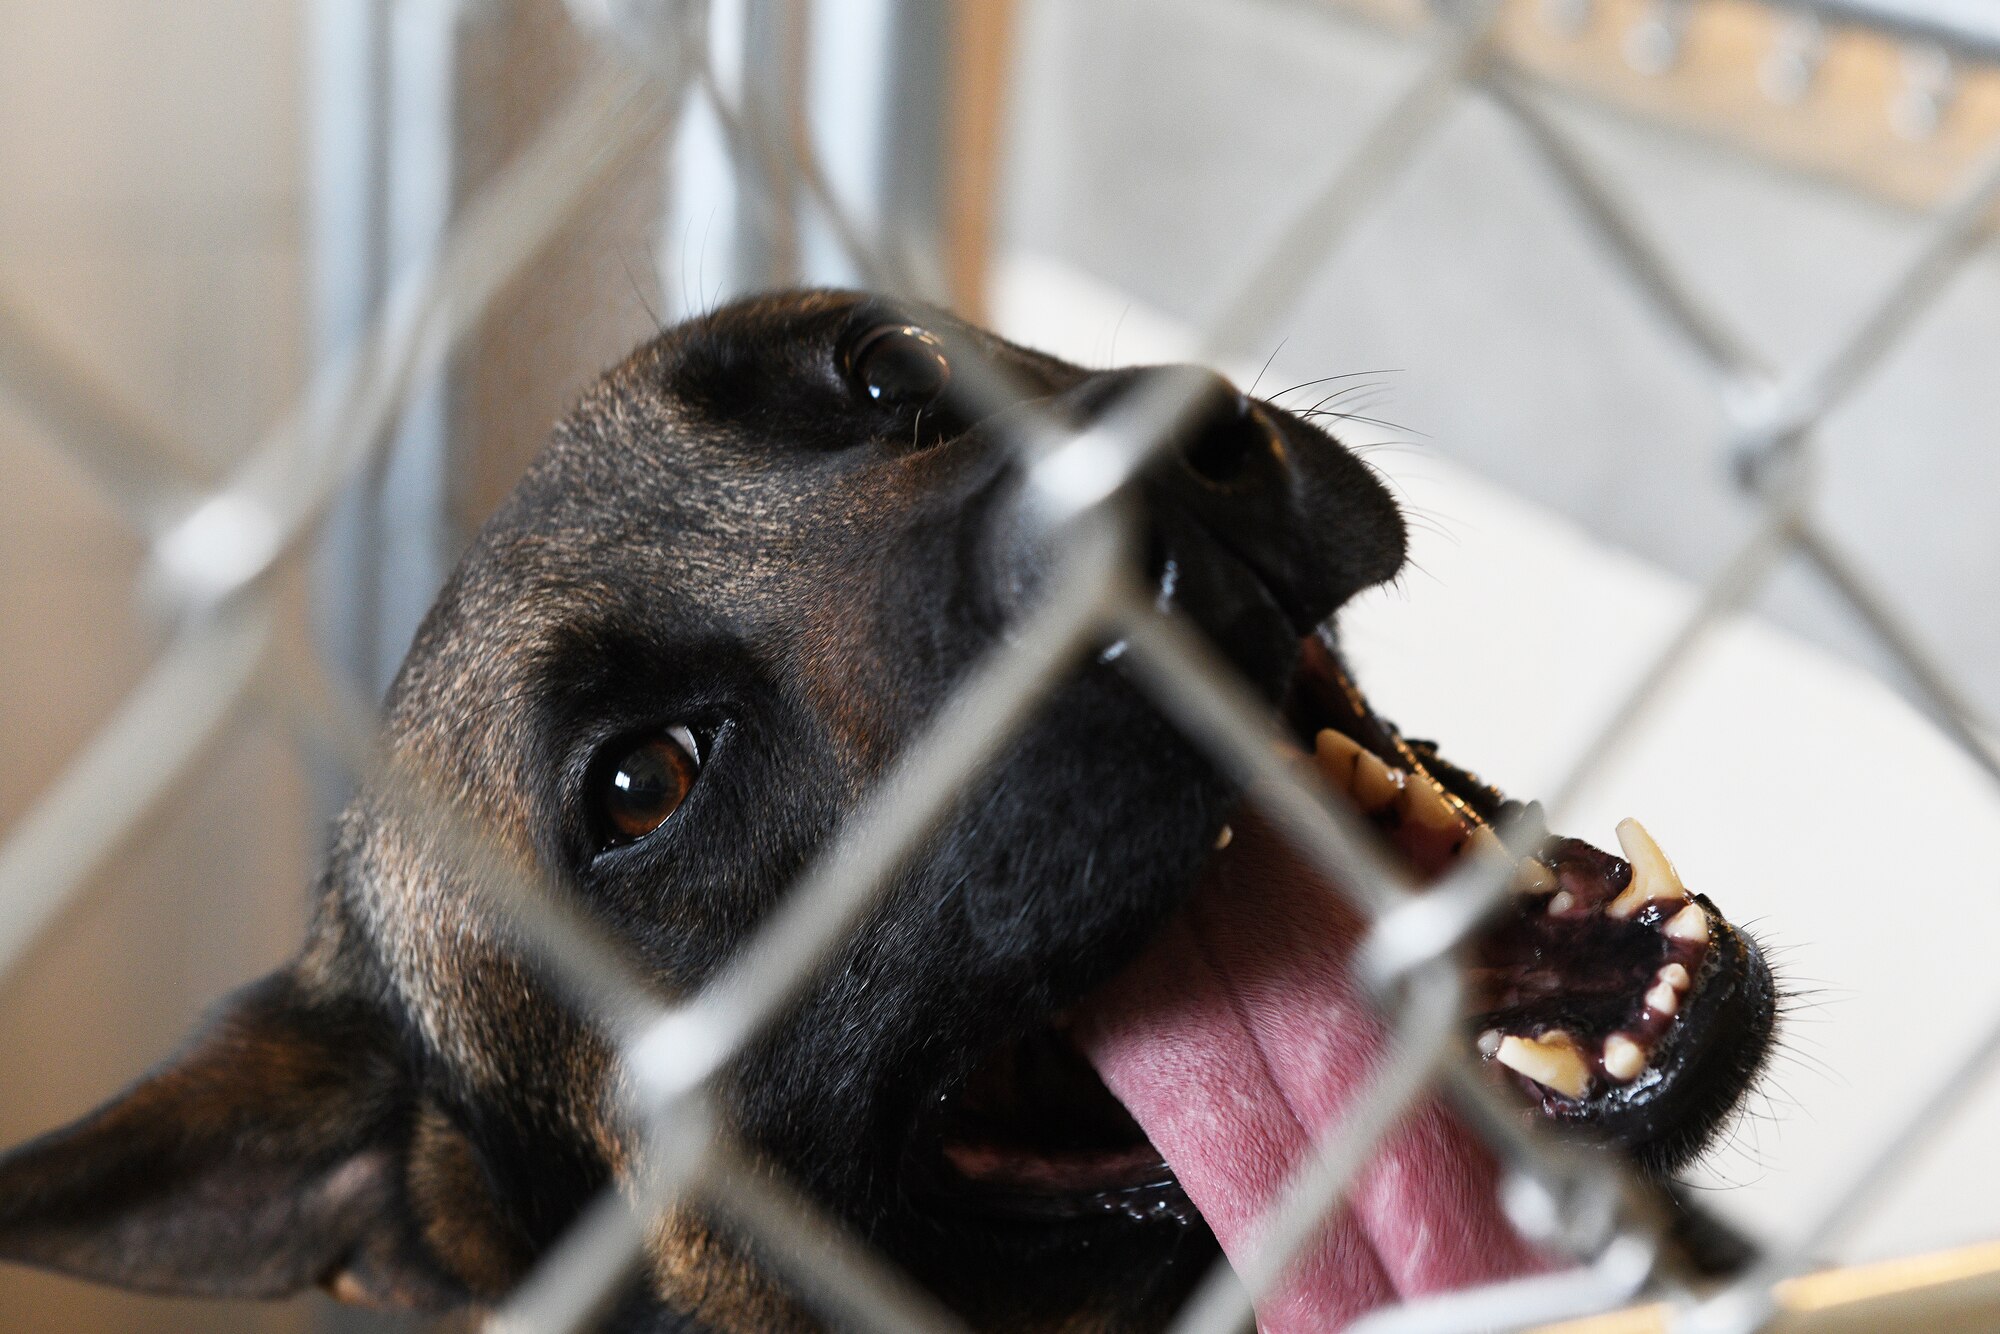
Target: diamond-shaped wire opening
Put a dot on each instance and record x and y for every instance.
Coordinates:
(214, 557)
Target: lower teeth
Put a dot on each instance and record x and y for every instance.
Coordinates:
(1413, 805)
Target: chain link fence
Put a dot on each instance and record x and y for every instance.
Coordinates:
(218, 549)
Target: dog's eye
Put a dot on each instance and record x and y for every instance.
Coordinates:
(899, 365)
(642, 781)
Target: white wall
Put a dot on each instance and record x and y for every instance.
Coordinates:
(1157, 143)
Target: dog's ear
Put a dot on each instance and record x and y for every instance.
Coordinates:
(267, 1156)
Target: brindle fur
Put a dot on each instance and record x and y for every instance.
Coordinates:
(722, 530)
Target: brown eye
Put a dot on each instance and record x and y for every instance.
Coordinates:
(642, 782)
(899, 365)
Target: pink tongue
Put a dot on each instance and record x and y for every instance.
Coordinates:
(1235, 1039)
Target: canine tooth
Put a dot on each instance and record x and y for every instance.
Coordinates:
(1653, 876)
(1663, 999)
(1376, 784)
(1489, 1042)
(1534, 877)
(1223, 838)
(1423, 803)
(1673, 975)
(1690, 923)
(1550, 1061)
(1561, 903)
(1623, 1058)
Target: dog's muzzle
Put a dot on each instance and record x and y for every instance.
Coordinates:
(1254, 524)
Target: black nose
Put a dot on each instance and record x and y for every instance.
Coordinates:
(1253, 518)
(1225, 442)
(1248, 485)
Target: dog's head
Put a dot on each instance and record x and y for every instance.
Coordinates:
(749, 570)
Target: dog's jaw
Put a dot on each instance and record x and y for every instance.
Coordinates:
(1239, 1037)
(730, 533)
(1238, 1040)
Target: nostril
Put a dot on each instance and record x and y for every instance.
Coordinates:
(1226, 440)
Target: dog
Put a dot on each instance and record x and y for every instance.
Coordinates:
(1084, 1032)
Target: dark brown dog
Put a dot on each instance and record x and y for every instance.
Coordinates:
(748, 569)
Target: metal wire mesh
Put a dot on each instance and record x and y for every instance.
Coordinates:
(216, 545)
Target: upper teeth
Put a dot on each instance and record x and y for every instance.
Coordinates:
(1375, 783)
(1653, 876)
(1357, 771)
(1483, 842)
(1425, 804)
(1336, 752)
(1550, 1060)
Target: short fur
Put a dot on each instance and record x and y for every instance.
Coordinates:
(723, 533)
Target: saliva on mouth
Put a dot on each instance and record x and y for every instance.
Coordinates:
(1610, 996)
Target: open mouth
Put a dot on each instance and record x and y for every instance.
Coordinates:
(1034, 1133)
(1611, 997)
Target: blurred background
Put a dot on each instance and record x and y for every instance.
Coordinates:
(206, 203)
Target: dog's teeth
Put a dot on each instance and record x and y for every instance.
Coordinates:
(1489, 1042)
(1355, 770)
(1423, 803)
(1690, 924)
(1561, 903)
(1376, 784)
(1223, 838)
(1665, 996)
(1653, 876)
(1482, 842)
(1336, 752)
(1550, 1060)
(1534, 877)
(1623, 1058)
